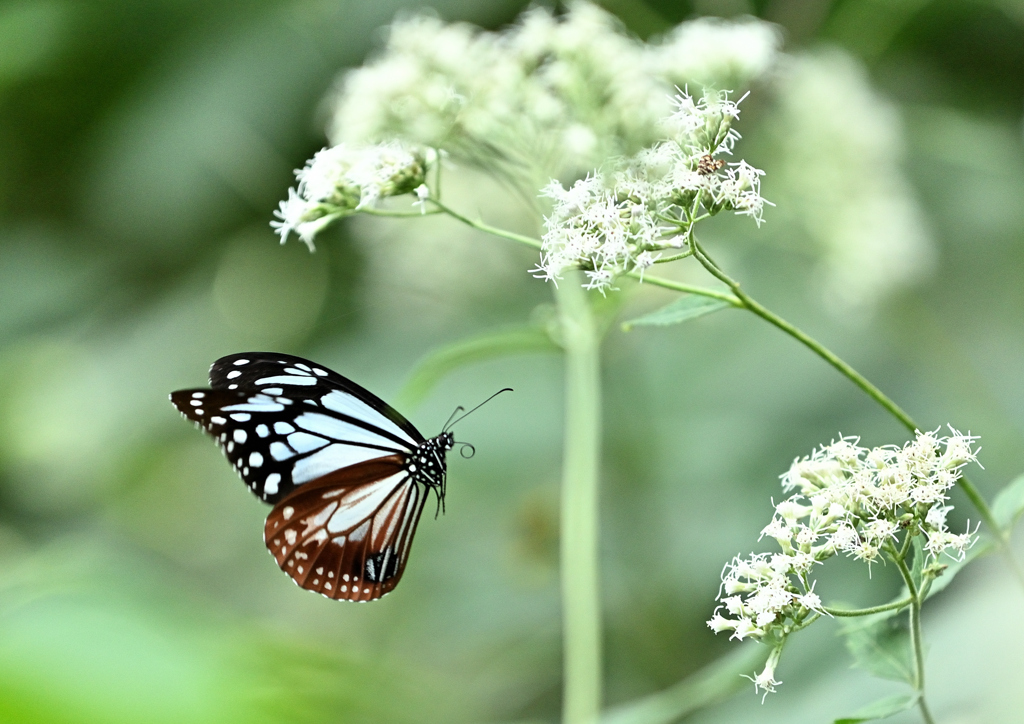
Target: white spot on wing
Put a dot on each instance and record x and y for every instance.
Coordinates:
(241, 362)
(270, 487)
(255, 407)
(262, 430)
(287, 380)
(283, 428)
(255, 460)
(241, 416)
(240, 436)
(217, 420)
(279, 451)
(233, 374)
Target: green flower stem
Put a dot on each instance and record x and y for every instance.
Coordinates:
(854, 376)
(581, 615)
(915, 638)
(687, 288)
(487, 228)
(674, 257)
(848, 612)
(394, 214)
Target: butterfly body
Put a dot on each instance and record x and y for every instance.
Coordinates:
(347, 475)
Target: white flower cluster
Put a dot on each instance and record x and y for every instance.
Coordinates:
(850, 500)
(553, 95)
(346, 178)
(591, 227)
(616, 221)
(841, 174)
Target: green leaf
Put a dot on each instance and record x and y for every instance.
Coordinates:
(681, 310)
(881, 709)
(880, 645)
(432, 368)
(1009, 504)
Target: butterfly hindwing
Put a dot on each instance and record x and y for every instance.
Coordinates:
(347, 535)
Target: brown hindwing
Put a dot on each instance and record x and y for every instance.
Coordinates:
(347, 534)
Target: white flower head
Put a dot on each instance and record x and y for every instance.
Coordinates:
(344, 179)
(592, 228)
(852, 501)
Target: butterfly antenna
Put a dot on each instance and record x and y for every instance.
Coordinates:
(458, 409)
(452, 422)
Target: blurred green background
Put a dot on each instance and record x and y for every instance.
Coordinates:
(143, 147)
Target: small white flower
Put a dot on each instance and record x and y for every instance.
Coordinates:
(765, 681)
(811, 601)
(744, 627)
(936, 517)
(790, 510)
(733, 604)
(291, 215)
(422, 195)
(778, 530)
(845, 538)
(719, 623)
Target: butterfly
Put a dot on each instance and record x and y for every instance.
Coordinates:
(348, 476)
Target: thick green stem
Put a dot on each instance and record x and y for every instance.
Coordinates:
(581, 614)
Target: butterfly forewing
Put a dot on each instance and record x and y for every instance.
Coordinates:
(283, 421)
(302, 380)
(348, 534)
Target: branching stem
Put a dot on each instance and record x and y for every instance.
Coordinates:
(915, 636)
